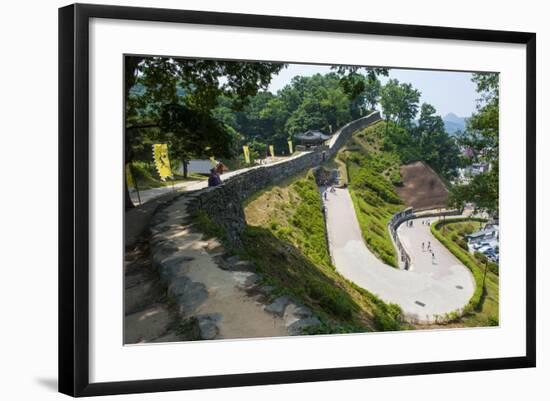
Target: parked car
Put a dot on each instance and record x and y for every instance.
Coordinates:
(485, 248)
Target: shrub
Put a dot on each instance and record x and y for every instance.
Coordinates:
(480, 257)
(475, 301)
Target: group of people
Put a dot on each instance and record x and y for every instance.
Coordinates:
(429, 249)
(329, 188)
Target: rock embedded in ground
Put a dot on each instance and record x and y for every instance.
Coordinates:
(188, 294)
(299, 317)
(266, 289)
(146, 325)
(298, 310)
(243, 265)
(139, 296)
(252, 279)
(298, 326)
(133, 279)
(277, 307)
(207, 326)
(232, 260)
(174, 266)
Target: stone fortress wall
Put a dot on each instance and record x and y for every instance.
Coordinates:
(175, 246)
(222, 204)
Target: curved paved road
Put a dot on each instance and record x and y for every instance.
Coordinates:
(426, 290)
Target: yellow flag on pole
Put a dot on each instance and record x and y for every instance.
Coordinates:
(246, 152)
(162, 162)
(271, 151)
(129, 177)
(290, 147)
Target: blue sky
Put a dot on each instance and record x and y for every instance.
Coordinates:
(448, 92)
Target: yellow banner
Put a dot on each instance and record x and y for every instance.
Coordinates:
(290, 147)
(162, 162)
(271, 151)
(129, 176)
(246, 152)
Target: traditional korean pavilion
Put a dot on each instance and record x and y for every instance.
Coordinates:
(312, 138)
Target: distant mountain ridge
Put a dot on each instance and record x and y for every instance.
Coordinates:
(454, 123)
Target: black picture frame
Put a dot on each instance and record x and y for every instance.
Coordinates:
(74, 200)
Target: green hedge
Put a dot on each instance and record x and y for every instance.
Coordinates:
(475, 302)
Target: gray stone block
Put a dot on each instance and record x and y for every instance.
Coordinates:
(278, 306)
(187, 294)
(298, 326)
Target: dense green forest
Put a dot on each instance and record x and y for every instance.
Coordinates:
(205, 108)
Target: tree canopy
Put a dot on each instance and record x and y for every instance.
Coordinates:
(206, 108)
(481, 137)
(171, 100)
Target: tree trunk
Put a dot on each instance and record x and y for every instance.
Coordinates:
(128, 202)
(185, 171)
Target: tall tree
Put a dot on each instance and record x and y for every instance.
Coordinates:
(429, 122)
(372, 91)
(399, 103)
(437, 148)
(160, 87)
(481, 136)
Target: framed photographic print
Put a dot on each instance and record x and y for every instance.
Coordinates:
(251, 199)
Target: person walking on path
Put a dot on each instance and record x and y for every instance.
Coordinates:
(422, 247)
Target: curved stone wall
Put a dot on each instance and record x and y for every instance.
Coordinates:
(222, 204)
(408, 214)
(395, 221)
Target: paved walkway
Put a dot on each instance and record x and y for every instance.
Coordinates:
(426, 290)
(150, 194)
(147, 195)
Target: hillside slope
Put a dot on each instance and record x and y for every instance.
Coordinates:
(287, 241)
(422, 188)
(373, 173)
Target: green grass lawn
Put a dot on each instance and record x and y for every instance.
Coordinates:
(372, 174)
(483, 307)
(286, 239)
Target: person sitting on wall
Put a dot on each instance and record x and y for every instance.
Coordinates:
(214, 178)
(221, 168)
